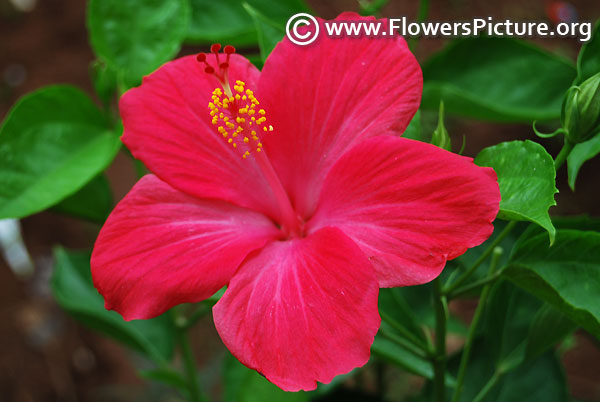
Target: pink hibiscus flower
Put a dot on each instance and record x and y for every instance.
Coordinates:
(294, 190)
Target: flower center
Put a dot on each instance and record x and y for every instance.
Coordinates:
(240, 122)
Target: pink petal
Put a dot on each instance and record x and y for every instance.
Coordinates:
(410, 206)
(167, 125)
(323, 98)
(160, 248)
(301, 311)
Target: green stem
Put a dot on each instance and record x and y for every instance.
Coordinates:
(189, 364)
(488, 387)
(472, 286)
(404, 343)
(562, 155)
(423, 11)
(199, 313)
(484, 256)
(422, 15)
(403, 331)
(439, 362)
(464, 360)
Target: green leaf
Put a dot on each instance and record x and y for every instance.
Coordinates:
(245, 385)
(401, 357)
(52, 143)
(526, 177)
(498, 355)
(104, 80)
(168, 377)
(136, 37)
(414, 131)
(269, 32)
(566, 275)
(588, 61)
(497, 79)
(548, 328)
(228, 22)
(93, 202)
(506, 323)
(74, 291)
(580, 154)
(539, 380)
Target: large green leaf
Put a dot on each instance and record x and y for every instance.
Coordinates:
(588, 62)
(526, 177)
(74, 291)
(93, 202)
(549, 326)
(580, 154)
(245, 385)
(52, 143)
(228, 22)
(497, 79)
(539, 380)
(136, 37)
(269, 32)
(566, 275)
(499, 353)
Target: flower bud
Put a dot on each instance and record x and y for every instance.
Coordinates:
(580, 115)
(440, 136)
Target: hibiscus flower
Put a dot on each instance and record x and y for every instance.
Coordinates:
(293, 188)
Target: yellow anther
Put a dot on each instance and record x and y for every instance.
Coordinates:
(232, 123)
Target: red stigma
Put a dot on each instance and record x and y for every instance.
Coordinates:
(221, 71)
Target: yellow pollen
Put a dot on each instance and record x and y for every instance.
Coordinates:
(231, 121)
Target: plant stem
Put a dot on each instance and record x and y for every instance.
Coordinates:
(472, 286)
(488, 387)
(484, 256)
(189, 364)
(199, 313)
(439, 361)
(423, 11)
(562, 155)
(404, 343)
(403, 331)
(464, 360)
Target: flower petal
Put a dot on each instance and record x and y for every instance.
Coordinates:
(160, 248)
(167, 126)
(301, 311)
(323, 98)
(410, 206)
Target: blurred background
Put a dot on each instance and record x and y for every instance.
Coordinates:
(45, 355)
